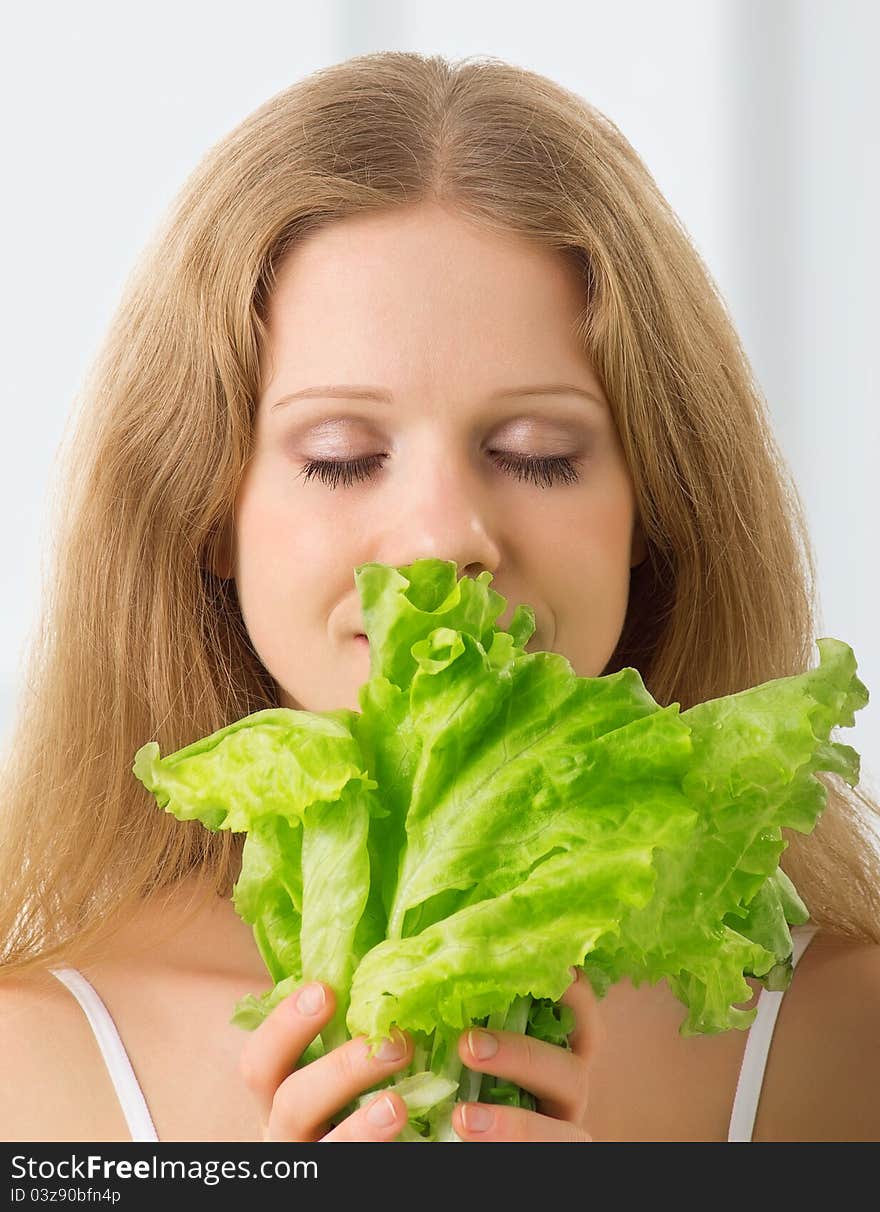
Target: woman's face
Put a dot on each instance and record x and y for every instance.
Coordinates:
(448, 323)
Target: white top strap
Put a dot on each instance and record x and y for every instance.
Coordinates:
(129, 1093)
(760, 1034)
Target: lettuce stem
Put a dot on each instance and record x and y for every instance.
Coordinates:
(515, 1018)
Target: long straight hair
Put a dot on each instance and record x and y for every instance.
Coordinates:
(139, 639)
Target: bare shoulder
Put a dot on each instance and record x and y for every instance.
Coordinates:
(48, 1092)
(823, 1070)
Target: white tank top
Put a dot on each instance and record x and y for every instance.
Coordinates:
(125, 1083)
(140, 1123)
(754, 1061)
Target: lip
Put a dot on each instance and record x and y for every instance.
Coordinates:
(361, 638)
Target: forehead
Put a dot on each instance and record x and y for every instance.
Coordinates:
(422, 292)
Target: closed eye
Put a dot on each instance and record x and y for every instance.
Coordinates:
(542, 470)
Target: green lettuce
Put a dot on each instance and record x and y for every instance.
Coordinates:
(489, 819)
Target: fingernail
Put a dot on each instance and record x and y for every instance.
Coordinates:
(573, 973)
(311, 999)
(476, 1118)
(482, 1044)
(381, 1111)
(392, 1049)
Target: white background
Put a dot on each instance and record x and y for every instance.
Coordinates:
(757, 119)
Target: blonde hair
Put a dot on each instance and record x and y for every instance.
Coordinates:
(139, 639)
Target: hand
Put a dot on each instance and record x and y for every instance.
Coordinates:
(297, 1106)
(557, 1078)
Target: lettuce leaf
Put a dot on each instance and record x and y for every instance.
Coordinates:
(489, 819)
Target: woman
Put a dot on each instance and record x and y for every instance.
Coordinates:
(442, 237)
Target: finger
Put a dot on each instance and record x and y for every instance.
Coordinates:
(383, 1118)
(482, 1122)
(305, 1101)
(557, 1077)
(272, 1051)
(589, 1029)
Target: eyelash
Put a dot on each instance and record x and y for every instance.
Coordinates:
(543, 471)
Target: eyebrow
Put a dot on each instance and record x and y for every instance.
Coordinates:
(345, 391)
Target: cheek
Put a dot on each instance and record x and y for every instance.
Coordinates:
(278, 528)
(283, 554)
(261, 552)
(587, 542)
(590, 578)
(293, 564)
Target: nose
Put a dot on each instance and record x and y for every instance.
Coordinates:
(445, 512)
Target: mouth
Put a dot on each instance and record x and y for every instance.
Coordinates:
(360, 638)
